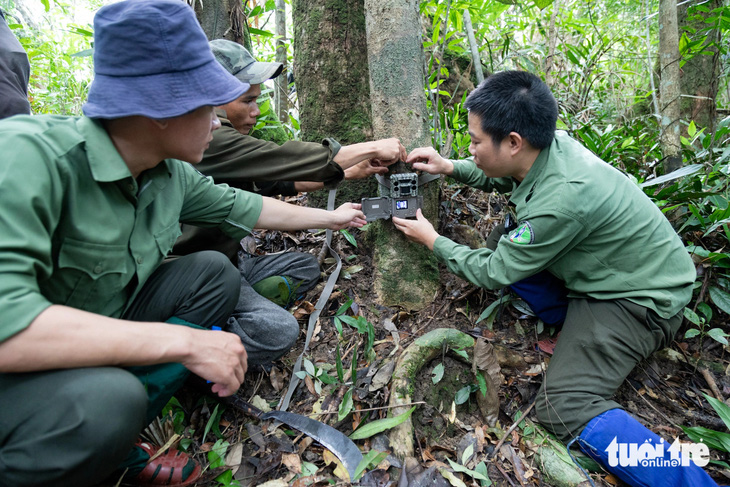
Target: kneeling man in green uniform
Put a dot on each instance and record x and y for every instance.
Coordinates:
(98, 330)
(581, 224)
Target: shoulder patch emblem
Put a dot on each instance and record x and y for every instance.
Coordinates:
(523, 234)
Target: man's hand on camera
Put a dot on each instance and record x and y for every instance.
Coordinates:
(428, 160)
(419, 230)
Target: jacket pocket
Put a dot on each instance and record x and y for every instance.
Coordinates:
(166, 238)
(91, 274)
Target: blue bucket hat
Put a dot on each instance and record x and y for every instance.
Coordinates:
(151, 58)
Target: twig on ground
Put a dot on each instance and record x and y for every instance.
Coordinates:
(710, 379)
(504, 474)
(512, 428)
(377, 408)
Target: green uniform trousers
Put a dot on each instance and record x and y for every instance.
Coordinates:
(600, 343)
(74, 427)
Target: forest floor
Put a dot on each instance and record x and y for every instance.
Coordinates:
(663, 392)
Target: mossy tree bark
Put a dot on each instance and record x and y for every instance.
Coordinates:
(700, 74)
(331, 76)
(406, 273)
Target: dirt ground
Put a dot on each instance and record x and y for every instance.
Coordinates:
(664, 392)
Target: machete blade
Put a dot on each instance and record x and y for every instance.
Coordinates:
(335, 441)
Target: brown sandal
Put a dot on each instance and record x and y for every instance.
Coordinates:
(172, 468)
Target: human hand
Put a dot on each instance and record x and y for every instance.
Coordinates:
(419, 230)
(347, 215)
(218, 357)
(428, 160)
(389, 151)
(366, 169)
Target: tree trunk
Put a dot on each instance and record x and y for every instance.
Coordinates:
(552, 41)
(281, 100)
(473, 47)
(223, 19)
(700, 73)
(669, 85)
(331, 76)
(406, 274)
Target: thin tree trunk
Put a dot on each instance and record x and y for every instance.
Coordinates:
(669, 84)
(281, 100)
(406, 274)
(552, 41)
(473, 47)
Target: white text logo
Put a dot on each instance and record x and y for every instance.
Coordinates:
(650, 454)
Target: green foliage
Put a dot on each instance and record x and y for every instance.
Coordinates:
(717, 440)
(380, 425)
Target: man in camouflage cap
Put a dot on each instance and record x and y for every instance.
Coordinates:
(270, 282)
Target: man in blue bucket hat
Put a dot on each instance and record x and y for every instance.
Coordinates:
(98, 329)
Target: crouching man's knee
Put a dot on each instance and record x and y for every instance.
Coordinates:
(80, 427)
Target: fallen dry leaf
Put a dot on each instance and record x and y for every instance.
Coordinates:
(234, 457)
(340, 471)
(305, 308)
(292, 462)
(277, 378)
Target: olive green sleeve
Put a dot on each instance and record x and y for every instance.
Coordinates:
(525, 251)
(208, 204)
(465, 171)
(234, 159)
(31, 211)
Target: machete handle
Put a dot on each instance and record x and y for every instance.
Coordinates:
(242, 405)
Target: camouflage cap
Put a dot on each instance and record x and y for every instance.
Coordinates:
(241, 64)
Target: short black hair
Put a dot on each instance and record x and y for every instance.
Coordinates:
(515, 101)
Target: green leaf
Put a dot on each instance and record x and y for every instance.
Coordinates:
(373, 457)
(327, 379)
(468, 452)
(345, 405)
(482, 384)
(217, 454)
(492, 309)
(343, 309)
(308, 469)
(718, 335)
(309, 367)
(338, 364)
(437, 373)
(691, 333)
(226, 479)
(482, 469)
(338, 325)
(213, 422)
(348, 236)
(380, 425)
(462, 395)
(720, 298)
(542, 4)
(722, 409)
(714, 439)
(692, 316)
(460, 468)
(706, 311)
(259, 32)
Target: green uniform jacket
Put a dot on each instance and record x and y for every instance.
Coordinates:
(77, 229)
(260, 166)
(587, 224)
